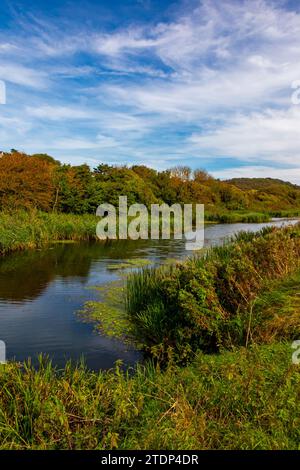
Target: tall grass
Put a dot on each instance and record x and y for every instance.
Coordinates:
(231, 217)
(22, 229)
(206, 302)
(33, 229)
(248, 399)
(285, 213)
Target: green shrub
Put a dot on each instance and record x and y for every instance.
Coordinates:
(205, 302)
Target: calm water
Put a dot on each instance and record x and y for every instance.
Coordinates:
(41, 291)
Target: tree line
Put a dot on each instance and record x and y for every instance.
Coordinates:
(39, 181)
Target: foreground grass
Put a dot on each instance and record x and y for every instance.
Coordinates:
(21, 229)
(247, 399)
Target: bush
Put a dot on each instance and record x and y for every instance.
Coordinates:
(205, 302)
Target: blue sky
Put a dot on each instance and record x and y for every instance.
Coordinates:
(204, 83)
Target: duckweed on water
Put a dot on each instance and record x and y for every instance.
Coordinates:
(109, 313)
(129, 264)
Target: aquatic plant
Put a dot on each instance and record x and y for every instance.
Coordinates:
(132, 263)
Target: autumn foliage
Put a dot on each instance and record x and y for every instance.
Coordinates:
(40, 182)
(25, 182)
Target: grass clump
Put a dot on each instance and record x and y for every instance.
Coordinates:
(280, 310)
(25, 229)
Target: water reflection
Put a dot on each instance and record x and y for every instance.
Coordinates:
(25, 275)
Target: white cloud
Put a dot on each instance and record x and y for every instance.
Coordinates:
(213, 32)
(113, 123)
(124, 122)
(125, 41)
(224, 58)
(270, 136)
(100, 142)
(21, 75)
(14, 124)
(7, 47)
(57, 113)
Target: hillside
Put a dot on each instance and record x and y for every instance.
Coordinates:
(266, 192)
(262, 184)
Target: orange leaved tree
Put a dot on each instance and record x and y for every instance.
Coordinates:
(25, 182)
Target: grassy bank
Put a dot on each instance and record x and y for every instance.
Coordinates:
(285, 213)
(33, 229)
(233, 217)
(21, 229)
(247, 399)
(207, 302)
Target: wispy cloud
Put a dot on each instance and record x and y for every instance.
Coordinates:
(21, 75)
(271, 136)
(100, 142)
(212, 80)
(58, 113)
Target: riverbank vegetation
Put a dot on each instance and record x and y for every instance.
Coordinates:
(216, 329)
(33, 229)
(220, 299)
(219, 328)
(209, 301)
(244, 399)
(25, 229)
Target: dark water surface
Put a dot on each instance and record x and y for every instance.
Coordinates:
(41, 291)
